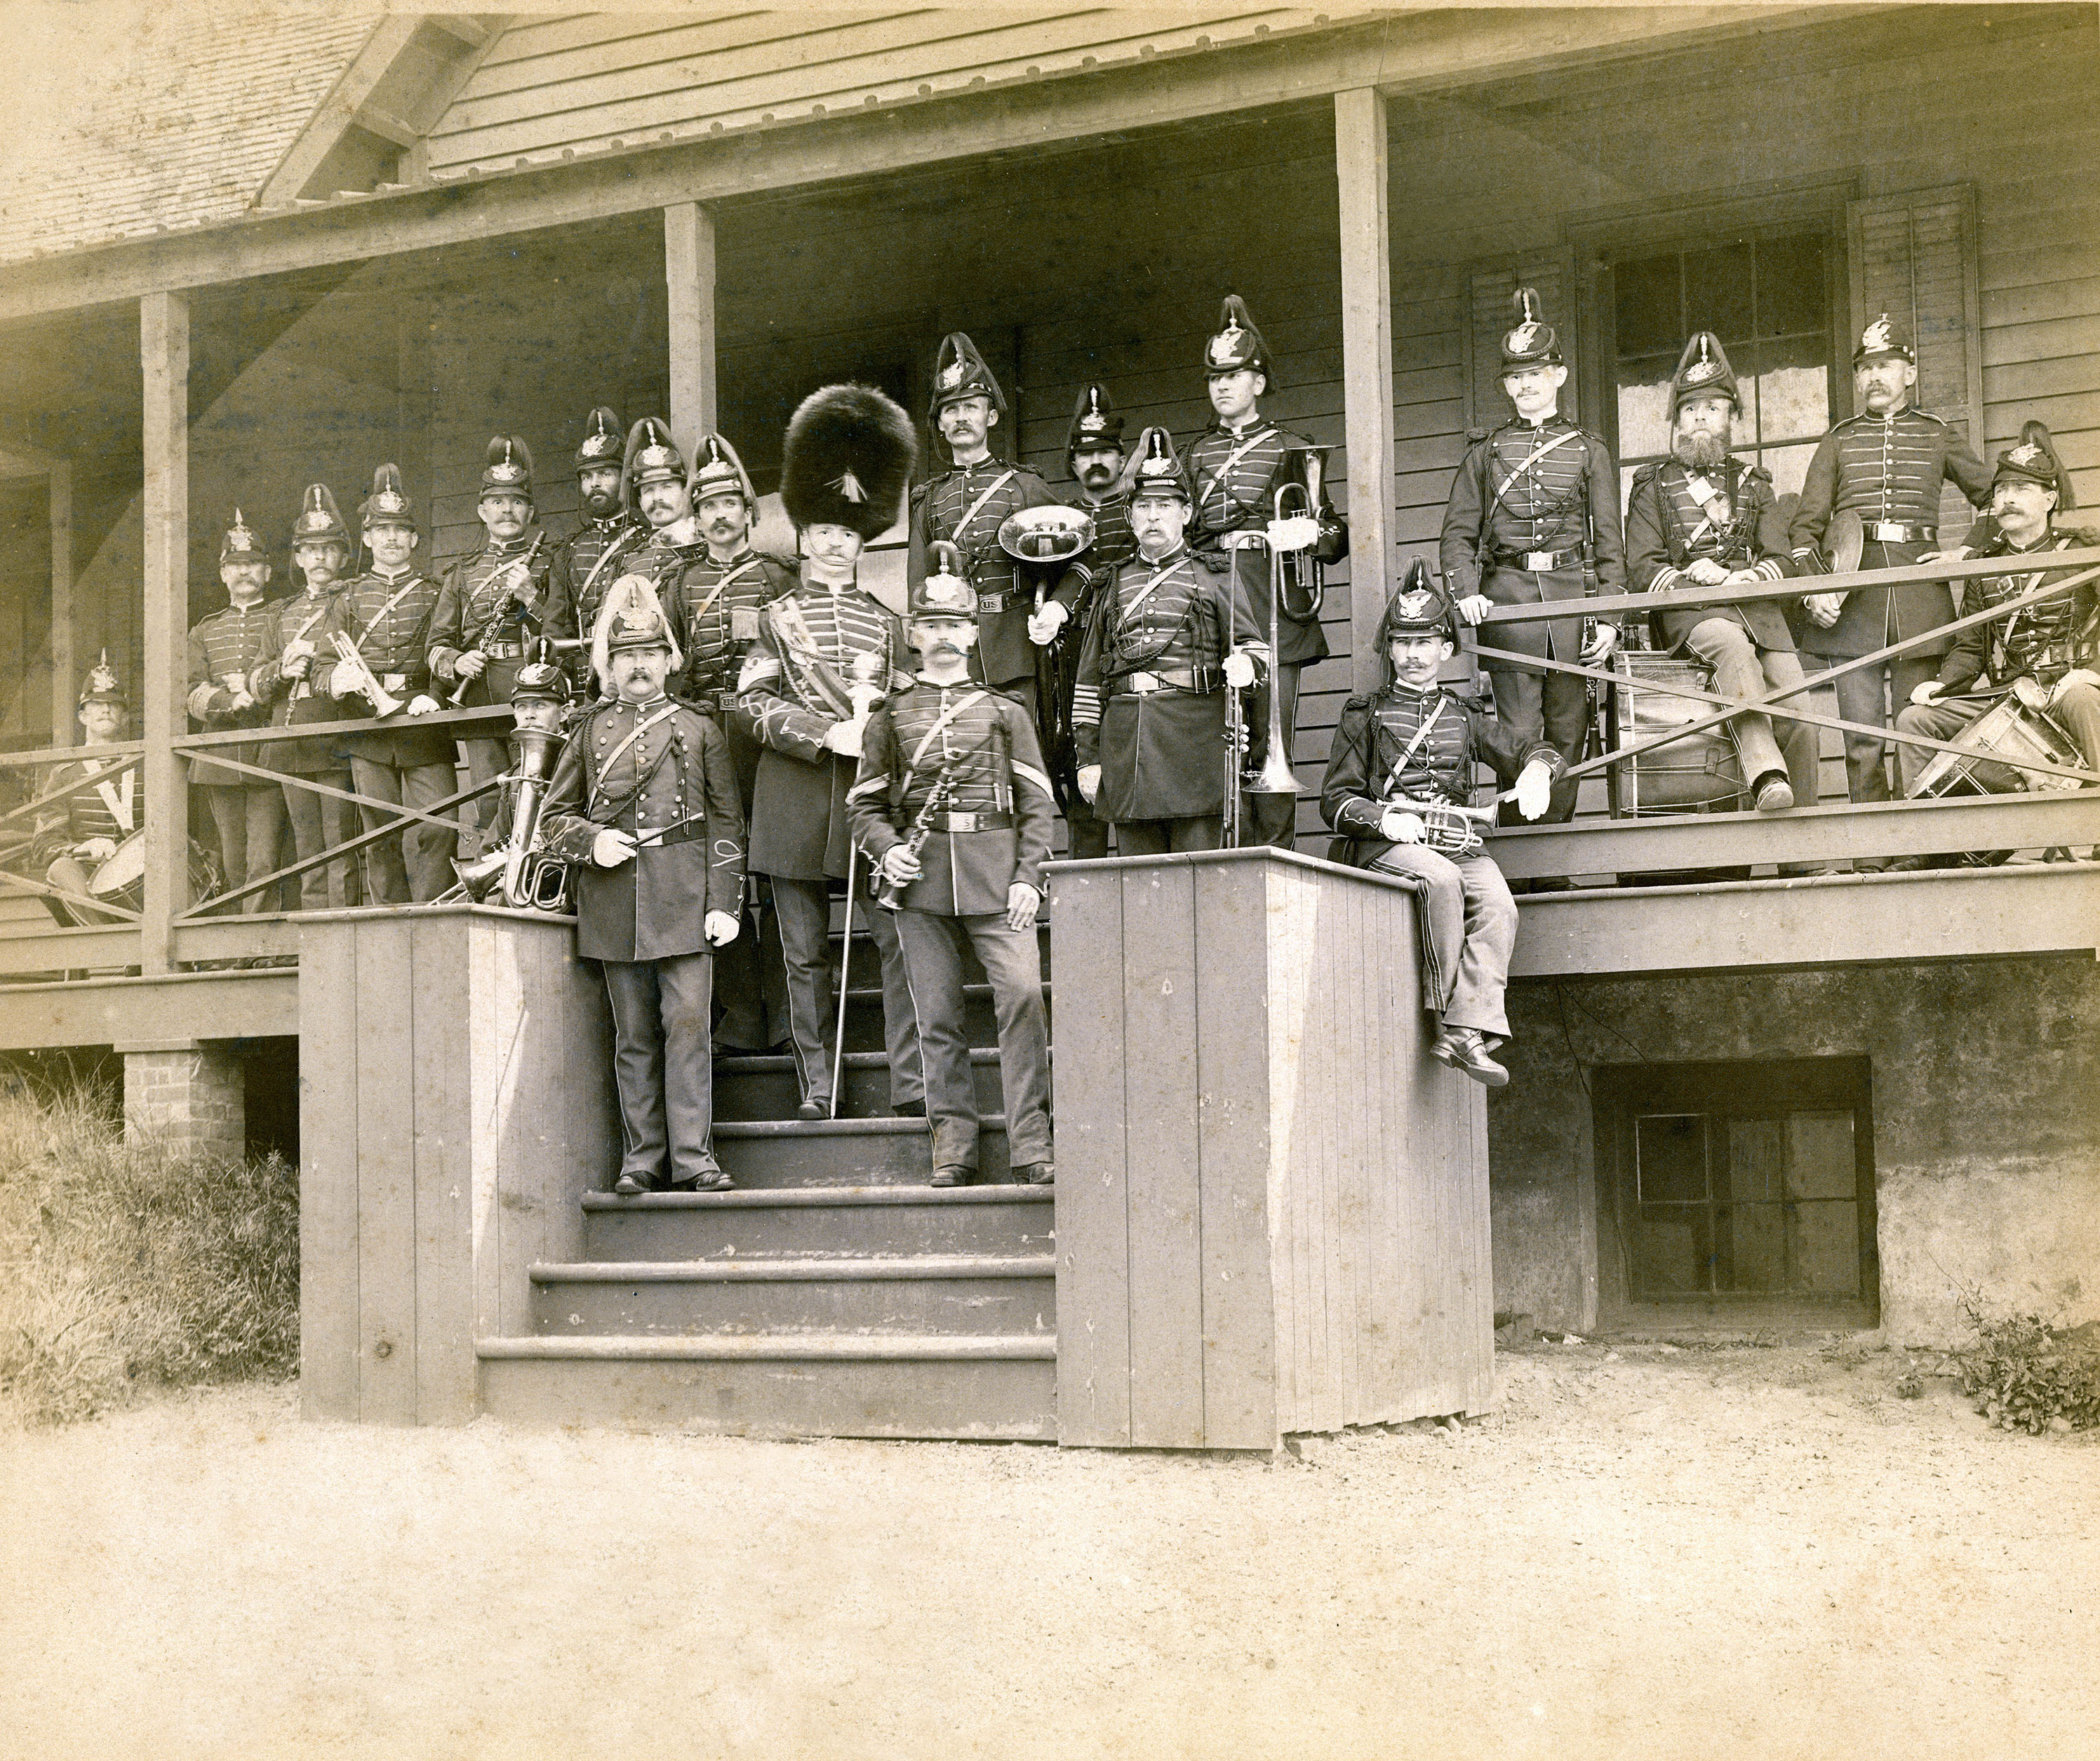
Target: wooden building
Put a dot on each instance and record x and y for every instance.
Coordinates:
(441, 226)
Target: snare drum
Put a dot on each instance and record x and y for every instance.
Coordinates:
(121, 880)
(2004, 731)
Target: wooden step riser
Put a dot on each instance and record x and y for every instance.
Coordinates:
(923, 1307)
(864, 1015)
(774, 1094)
(985, 1402)
(830, 1233)
(900, 1159)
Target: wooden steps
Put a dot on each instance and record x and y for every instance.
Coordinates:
(817, 1221)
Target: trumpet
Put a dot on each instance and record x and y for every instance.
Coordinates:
(363, 680)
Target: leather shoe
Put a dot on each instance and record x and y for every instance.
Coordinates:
(1464, 1050)
(952, 1177)
(1035, 1174)
(1775, 794)
(1913, 864)
(717, 1181)
(814, 1110)
(627, 1186)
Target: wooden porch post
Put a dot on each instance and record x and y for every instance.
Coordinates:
(1359, 169)
(64, 684)
(689, 275)
(164, 355)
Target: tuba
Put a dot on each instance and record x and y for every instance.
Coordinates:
(517, 875)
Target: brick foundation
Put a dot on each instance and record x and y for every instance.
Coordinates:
(185, 1093)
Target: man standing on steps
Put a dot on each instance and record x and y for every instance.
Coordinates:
(953, 806)
(581, 566)
(643, 804)
(828, 650)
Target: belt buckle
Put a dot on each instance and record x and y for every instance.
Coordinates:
(962, 822)
(990, 604)
(394, 681)
(1144, 684)
(1889, 532)
(1540, 562)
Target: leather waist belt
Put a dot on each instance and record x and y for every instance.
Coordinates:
(1538, 562)
(973, 822)
(1200, 681)
(991, 604)
(503, 650)
(1890, 531)
(710, 701)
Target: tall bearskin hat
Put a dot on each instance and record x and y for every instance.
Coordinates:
(388, 504)
(1238, 343)
(1416, 609)
(240, 545)
(509, 466)
(632, 617)
(1531, 342)
(542, 676)
(959, 372)
(102, 684)
(652, 457)
(1096, 424)
(2035, 460)
(847, 461)
(1703, 371)
(1154, 468)
(718, 471)
(320, 520)
(601, 444)
(1880, 340)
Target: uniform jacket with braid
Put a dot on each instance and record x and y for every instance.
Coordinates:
(1669, 525)
(2044, 641)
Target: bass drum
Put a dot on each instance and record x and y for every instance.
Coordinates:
(1696, 773)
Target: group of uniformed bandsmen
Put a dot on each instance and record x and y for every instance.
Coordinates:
(730, 711)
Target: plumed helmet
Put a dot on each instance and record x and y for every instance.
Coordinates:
(1703, 371)
(542, 676)
(718, 471)
(509, 466)
(1417, 609)
(1154, 468)
(388, 504)
(102, 684)
(945, 592)
(1238, 343)
(959, 372)
(652, 457)
(320, 520)
(240, 544)
(1531, 342)
(847, 460)
(2034, 459)
(632, 617)
(601, 444)
(1096, 425)
(1880, 340)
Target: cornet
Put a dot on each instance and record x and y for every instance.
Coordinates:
(363, 680)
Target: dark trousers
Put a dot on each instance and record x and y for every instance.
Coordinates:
(486, 759)
(249, 821)
(1086, 837)
(321, 823)
(1860, 698)
(661, 1065)
(416, 862)
(1012, 961)
(1157, 837)
(1273, 818)
(750, 981)
(1542, 705)
(805, 910)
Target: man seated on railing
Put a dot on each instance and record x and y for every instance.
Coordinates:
(2043, 655)
(1703, 518)
(76, 836)
(1396, 787)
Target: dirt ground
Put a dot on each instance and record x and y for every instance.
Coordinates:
(1644, 1550)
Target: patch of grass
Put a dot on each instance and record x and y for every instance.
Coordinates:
(123, 1264)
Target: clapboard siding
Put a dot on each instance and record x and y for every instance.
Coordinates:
(579, 83)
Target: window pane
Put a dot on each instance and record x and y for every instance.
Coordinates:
(1789, 467)
(1717, 293)
(1820, 1163)
(1644, 417)
(1826, 1248)
(1792, 293)
(1671, 1251)
(1669, 1157)
(1757, 1158)
(1786, 391)
(1645, 301)
(1757, 1248)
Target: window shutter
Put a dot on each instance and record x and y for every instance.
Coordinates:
(1492, 318)
(1913, 256)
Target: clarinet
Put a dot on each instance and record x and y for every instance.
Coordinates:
(888, 894)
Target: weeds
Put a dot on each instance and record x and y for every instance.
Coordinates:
(2028, 1374)
(123, 1264)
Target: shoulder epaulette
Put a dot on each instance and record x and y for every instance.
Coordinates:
(1757, 471)
(1474, 436)
(919, 490)
(1647, 473)
(1927, 414)
(1361, 700)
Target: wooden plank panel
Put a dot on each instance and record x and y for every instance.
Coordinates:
(1162, 1099)
(330, 1325)
(386, 1176)
(689, 274)
(164, 353)
(488, 1033)
(1091, 1107)
(1364, 180)
(1236, 1112)
(441, 1104)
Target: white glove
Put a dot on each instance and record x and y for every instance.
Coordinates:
(1475, 607)
(340, 685)
(241, 700)
(1044, 625)
(1089, 780)
(2032, 693)
(844, 739)
(1601, 645)
(1239, 670)
(298, 648)
(96, 850)
(1398, 825)
(719, 927)
(1534, 789)
(1928, 692)
(423, 704)
(1824, 607)
(609, 849)
(1706, 571)
(900, 865)
(1021, 900)
(1299, 531)
(470, 665)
